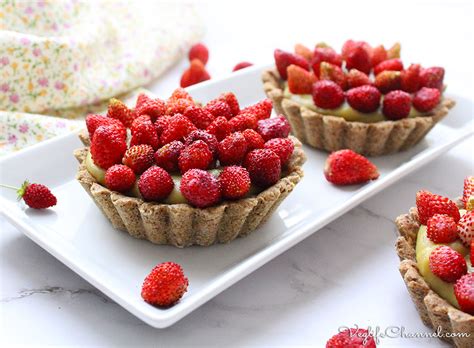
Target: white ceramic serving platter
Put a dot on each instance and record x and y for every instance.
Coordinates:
(78, 234)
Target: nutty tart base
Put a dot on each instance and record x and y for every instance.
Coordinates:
(434, 310)
(332, 133)
(182, 225)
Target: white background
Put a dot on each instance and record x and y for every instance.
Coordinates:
(345, 274)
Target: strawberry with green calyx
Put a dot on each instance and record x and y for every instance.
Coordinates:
(36, 196)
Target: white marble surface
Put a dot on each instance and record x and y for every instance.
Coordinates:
(344, 274)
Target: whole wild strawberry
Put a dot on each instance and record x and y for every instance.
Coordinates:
(464, 292)
(209, 139)
(139, 158)
(200, 188)
(429, 204)
(177, 106)
(283, 147)
(231, 100)
(119, 178)
(465, 228)
(152, 107)
(196, 73)
(219, 108)
(275, 127)
(441, 228)
(300, 81)
(167, 156)
(410, 78)
(254, 140)
(364, 98)
(107, 146)
(177, 129)
(426, 99)
(346, 167)
(284, 59)
(468, 191)
(396, 105)
(264, 167)
(447, 264)
(471, 254)
(261, 110)
(121, 112)
(304, 52)
(93, 121)
(199, 116)
(356, 78)
(327, 94)
(352, 338)
(379, 54)
(144, 132)
(180, 93)
(232, 149)
(395, 64)
(235, 182)
(165, 285)
(219, 127)
(350, 45)
(325, 54)
(197, 155)
(199, 51)
(161, 124)
(241, 65)
(359, 58)
(242, 122)
(432, 77)
(388, 80)
(36, 196)
(332, 72)
(155, 184)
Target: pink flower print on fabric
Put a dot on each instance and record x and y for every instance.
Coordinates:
(59, 85)
(25, 41)
(4, 87)
(36, 52)
(23, 128)
(14, 98)
(43, 81)
(12, 139)
(4, 61)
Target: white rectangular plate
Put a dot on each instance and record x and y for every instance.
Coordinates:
(78, 234)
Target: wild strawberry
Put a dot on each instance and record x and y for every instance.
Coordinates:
(345, 167)
(441, 228)
(199, 116)
(219, 127)
(379, 54)
(471, 254)
(144, 132)
(107, 146)
(242, 122)
(350, 45)
(261, 110)
(275, 127)
(432, 77)
(394, 51)
(359, 58)
(219, 108)
(93, 121)
(241, 65)
(429, 204)
(152, 107)
(396, 105)
(426, 99)
(283, 147)
(36, 196)
(300, 81)
(155, 184)
(325, 54)
(254, 140)
(332, 72)
(119, 178)
(388, 80)
(390, 64)
(464, 292)
(327, 94)
(178, 127)
(447, 264)
(284, 59)
(180, 93)
(468, 190)
(264, 167)
(209, 139)
(197, 155)
(351, 338)
(196, 73)
(356, 78)
(167, 156)
(465, 229)
(199, 51)
(232, 149)
(232, 101)
(200, 188)
(234, 182)
(410, 78)
(161, 124)
(139, 158)
(364, 98)
(304, 52)
(165, 285)
(177, 106)
(121, 112)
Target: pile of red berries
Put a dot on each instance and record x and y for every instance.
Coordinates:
(181, 136)
(332, 78)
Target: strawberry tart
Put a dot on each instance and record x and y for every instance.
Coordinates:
(363, 99)
(175, 172)
(436, 249)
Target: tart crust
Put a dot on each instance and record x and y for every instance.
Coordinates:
(182, 225)
(332, 133)
(434, 311)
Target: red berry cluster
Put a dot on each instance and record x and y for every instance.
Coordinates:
(332, 78)
(179, 135)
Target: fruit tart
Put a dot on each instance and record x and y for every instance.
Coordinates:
(176, 172)
(436, 249)
(363, 99)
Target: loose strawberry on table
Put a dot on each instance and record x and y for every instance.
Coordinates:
(36, 196)
(345, 167)
(351, 338)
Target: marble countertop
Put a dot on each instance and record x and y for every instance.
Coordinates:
(299, 298)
